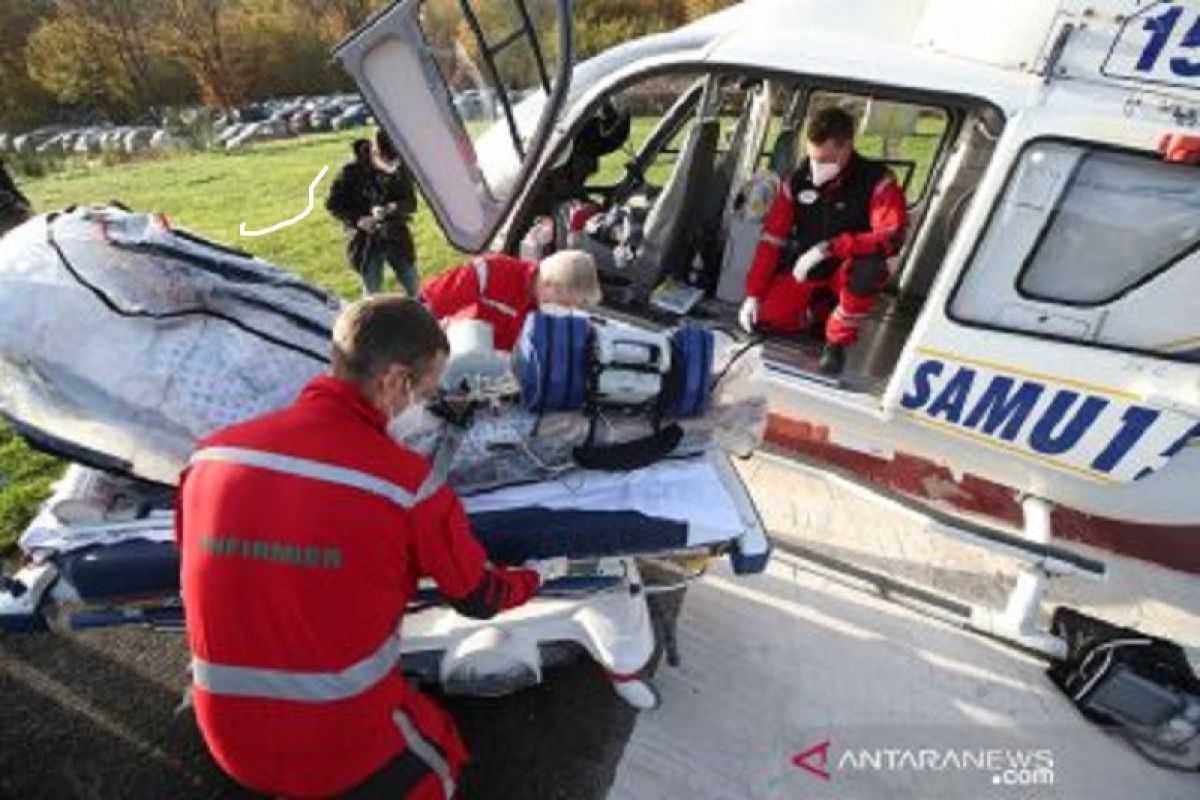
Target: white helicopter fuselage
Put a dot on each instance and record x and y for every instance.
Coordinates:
(1051, 261)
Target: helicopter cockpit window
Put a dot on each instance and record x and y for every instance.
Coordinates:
(1123, 216)
(650, 152)
(1091, 245)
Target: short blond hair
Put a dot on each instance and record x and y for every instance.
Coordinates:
(572, 272)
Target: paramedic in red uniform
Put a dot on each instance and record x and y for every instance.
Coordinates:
(303, 535)
(502, 290)
(844, 215)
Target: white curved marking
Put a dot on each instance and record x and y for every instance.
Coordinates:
(312, 193)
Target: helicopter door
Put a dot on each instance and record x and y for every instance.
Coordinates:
(1068, 336)
(469, 91)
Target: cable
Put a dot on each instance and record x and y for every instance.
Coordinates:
(523, 443)
(746, 348)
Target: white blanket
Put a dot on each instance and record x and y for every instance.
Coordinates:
(704, 493)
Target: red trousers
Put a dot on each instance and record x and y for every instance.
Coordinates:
(834, 305)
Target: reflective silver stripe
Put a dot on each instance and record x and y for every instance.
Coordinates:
(277, 684)
(441, 460)
(317, 470)
(425, 751)
(481, 272)
(775, 240)
(430, 486)
(496, 304)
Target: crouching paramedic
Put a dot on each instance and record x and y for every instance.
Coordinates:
(303, 535)
(502, 290)
(844, 215)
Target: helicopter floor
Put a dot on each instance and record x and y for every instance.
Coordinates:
(869, 363)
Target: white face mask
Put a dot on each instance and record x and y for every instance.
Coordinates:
(823, 173)
(407, 421)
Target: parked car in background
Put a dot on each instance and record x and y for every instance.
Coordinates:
(136, 141)
(354, 116)
(258, 132)
(231, 129)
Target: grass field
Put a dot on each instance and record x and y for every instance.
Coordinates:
(213, 193)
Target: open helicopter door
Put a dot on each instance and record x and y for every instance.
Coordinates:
(1059, 342)
(469, 92)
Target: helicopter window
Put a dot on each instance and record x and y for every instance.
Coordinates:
(1090, 244)
(906, 136)
(1127, 217)
(492, 57)
(647, 158)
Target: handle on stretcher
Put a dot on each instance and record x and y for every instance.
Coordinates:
(567, 586)
(630, 455)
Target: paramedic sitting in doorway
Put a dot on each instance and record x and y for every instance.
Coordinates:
(303, 535)
(844, 216)
(502, 290)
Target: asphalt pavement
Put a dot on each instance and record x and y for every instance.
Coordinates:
(96, 715)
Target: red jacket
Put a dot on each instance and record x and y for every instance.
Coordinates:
(880, 230)
(303, 535)
(494, 288)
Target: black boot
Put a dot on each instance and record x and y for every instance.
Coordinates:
(833, 359)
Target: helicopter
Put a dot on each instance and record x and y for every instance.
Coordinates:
(1030, 361)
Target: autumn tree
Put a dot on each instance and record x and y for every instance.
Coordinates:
(23, 101)
(104, 55)
(120, 59)
(198, 32)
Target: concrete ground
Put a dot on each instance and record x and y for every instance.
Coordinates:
(797, 684)
(875, 700)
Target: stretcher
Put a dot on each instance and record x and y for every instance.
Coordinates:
(106, 573)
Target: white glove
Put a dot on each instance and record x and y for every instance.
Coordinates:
(748, 315)
(548, 569)
(810, 259)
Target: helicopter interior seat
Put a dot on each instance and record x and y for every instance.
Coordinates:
(783, 155)
(699, 258)
(664, 233)
(745, 228)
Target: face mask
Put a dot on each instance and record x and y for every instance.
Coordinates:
(823, 173)
(408, 421)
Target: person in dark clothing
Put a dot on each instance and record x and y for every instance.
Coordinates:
(15, 207)
(373, 197)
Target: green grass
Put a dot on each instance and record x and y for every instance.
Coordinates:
(25, 478)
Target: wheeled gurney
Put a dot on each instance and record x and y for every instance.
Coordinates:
(108, 574)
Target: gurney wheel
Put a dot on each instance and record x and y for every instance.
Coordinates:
(639, 693)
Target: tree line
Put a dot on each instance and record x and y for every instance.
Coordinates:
(127, 60)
